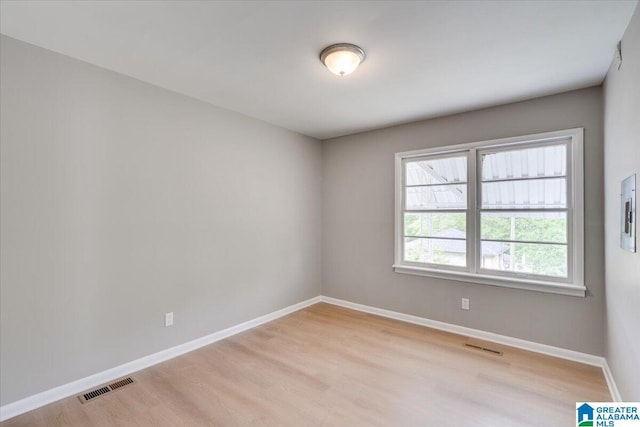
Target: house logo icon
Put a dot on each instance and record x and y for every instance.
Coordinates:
(585, 415)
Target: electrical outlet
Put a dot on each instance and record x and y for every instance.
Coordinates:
(465, 303)
(168, 319)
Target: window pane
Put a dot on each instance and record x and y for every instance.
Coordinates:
(435, 251)
(525, 163)
(550, 227)
(435, 224)
(436, 171)
(437, 197)
(528, 194)
(542, 259)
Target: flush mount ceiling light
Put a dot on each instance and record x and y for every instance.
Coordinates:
(342, 58)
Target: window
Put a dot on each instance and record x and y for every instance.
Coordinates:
(506, 212)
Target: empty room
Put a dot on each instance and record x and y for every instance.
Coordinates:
(319, 213)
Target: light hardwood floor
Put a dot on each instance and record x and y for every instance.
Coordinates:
(330, 366)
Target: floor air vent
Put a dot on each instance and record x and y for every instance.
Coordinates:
(488, 350)
(101, 391)
(121, 383)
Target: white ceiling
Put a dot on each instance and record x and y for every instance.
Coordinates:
(424, 59)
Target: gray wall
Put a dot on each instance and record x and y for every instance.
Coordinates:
(122, 201)
(622, 158)
(358, 204)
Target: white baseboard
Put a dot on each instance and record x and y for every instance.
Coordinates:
(49, 396)
(613, 388)
(549, 350)
(44, 398)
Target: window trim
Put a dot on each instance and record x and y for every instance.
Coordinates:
(572, 285)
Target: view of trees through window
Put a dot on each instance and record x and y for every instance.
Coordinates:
(549, 258)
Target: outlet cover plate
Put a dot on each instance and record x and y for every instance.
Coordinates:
(168, 319)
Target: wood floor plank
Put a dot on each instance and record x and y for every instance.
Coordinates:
(331, 366)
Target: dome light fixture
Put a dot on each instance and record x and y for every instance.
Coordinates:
(342, 58)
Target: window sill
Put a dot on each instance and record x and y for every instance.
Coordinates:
(506, 282)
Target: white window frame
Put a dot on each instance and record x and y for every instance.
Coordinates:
(572, 285)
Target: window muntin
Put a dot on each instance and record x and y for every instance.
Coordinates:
(525, 187)
(435, 210)
(522, 197)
